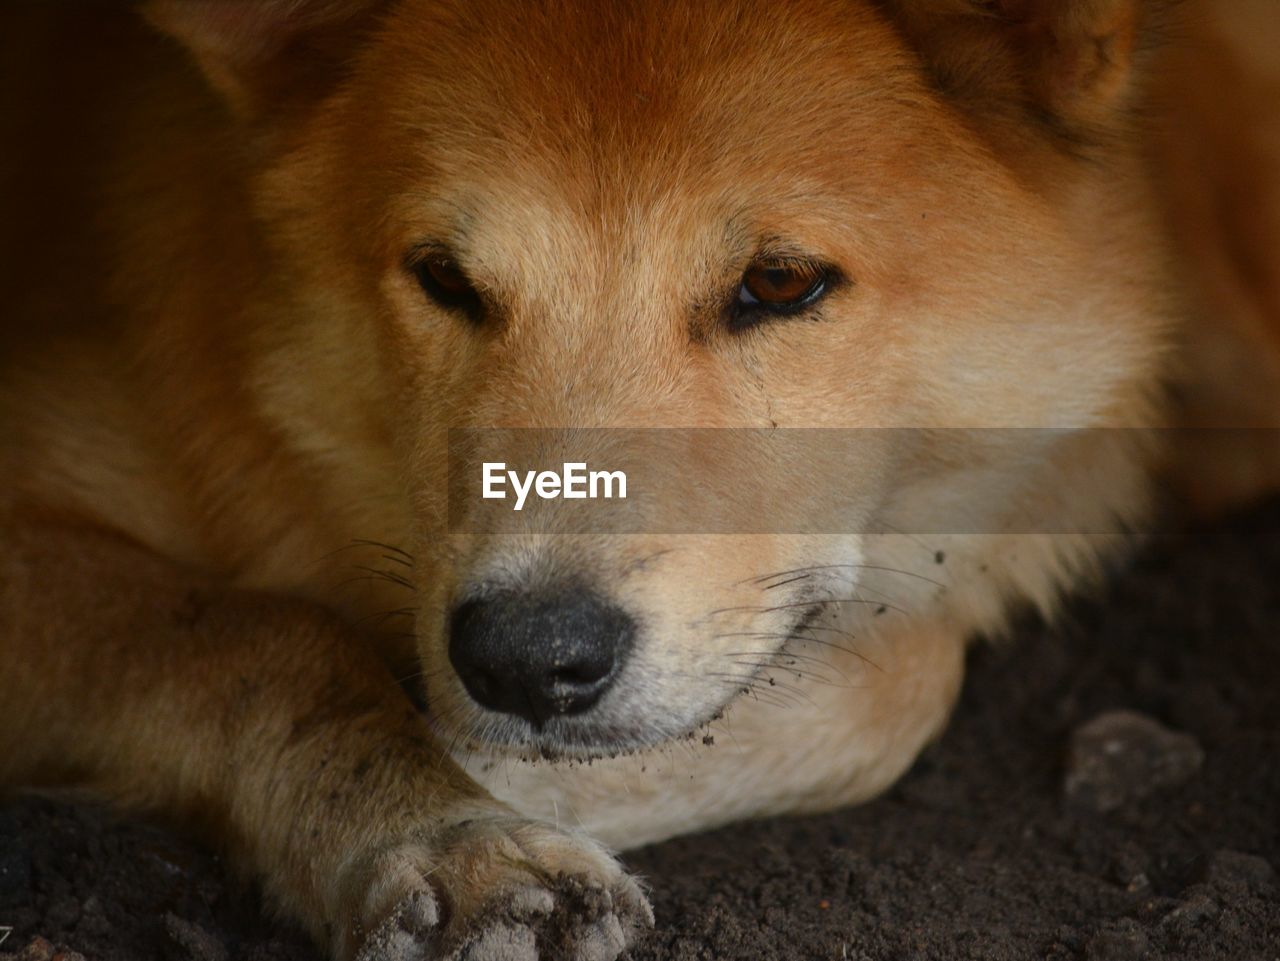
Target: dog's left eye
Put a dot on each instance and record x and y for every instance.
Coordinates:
(448, 285)
(778, 289)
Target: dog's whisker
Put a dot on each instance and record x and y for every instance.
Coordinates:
(381, 617)
(361, 578)
(764, 667)
(783, 635)
(798, 635)
(745, 682)
(790, 605)
(751, 685)
(794, 605)
(833, 567)
(888, 601)
(425, 675)
(789, 580)
(641, 563)
(392, 559)
(386, 575)
(802, 675)
(826, 628)
(359, 543)
(839, 647)
(785, 657)
(369, 542)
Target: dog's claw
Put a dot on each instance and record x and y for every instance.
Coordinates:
(509, 891)
(602, 941)
(407, 934)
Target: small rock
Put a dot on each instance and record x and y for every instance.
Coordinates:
(1122, 940)
(169, 859)
(199, 943)
(843, 870)
(37, 949)
(1196, 908)
(1138, 883)
(1129, 865)
(1121, 756)
(1228, 868)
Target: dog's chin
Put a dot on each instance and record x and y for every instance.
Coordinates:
(574, 739)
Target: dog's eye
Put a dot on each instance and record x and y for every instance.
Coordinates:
(448, 285)
(778, 289)
(788, 285)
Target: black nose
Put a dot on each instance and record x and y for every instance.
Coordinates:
(539, 655)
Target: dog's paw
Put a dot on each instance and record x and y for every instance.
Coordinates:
(496, 889)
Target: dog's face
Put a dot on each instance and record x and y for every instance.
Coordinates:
(743, 214)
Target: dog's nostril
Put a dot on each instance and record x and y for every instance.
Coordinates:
(586, 672)
(538, 655)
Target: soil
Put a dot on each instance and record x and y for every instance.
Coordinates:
(1109, 789)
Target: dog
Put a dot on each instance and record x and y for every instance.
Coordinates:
(265, 261)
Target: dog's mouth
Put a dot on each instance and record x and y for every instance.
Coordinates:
(612, 732)
(566, 742)
(569, 739)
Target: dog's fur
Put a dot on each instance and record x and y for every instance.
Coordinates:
(221, 390)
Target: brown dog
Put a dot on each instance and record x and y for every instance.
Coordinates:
(260, 258)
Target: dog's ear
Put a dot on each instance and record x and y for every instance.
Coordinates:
(253, 50)
(1073, 63)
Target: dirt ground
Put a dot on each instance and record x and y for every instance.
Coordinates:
(1019, 836)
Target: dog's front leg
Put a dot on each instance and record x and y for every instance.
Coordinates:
(259, 718)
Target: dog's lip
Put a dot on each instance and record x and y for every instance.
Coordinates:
(566, 739)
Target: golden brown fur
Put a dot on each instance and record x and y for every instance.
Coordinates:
(221, 393)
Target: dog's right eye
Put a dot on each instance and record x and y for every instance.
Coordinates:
(448, 285)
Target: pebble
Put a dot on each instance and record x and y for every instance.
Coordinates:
(1232, 867)
(199, 943)
(1121, 756)
(1122, 940)
(1195, 909)
(37, 949)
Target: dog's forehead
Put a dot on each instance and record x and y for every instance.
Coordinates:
(669, 139)
(621, 88)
